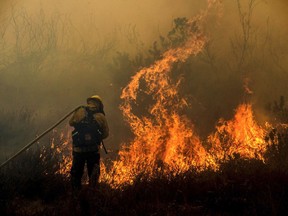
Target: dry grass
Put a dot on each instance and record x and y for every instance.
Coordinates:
(241, 187)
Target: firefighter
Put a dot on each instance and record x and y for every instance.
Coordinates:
(90, 128)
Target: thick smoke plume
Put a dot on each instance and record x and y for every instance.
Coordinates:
(54, 54)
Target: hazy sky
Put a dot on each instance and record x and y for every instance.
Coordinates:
(150, 15)
(151, 19)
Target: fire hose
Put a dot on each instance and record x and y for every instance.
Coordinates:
(43, 134)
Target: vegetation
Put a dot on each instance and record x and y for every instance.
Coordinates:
(31, 184)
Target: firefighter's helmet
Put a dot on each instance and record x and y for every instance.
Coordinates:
(98, 99)
(95, 98)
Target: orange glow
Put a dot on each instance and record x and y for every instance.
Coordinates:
(62, 151)
(242, 136)
(165, 141)
(167, 144)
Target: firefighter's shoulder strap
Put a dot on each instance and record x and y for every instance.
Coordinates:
(87, 131)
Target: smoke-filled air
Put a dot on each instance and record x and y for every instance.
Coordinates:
(194, 94)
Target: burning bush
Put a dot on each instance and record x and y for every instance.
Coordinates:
(166, 168)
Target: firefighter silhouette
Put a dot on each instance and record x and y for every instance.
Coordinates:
(90, 128)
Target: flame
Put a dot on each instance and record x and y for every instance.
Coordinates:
(165, 141)
(241, 136)
(61, 146)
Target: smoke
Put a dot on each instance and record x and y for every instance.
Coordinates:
(54, 54)
(149, 16)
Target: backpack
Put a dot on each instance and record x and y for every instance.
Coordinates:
(87, 132)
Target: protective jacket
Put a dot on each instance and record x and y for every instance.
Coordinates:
(99, 117)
